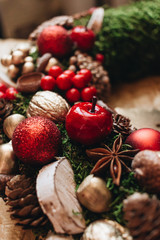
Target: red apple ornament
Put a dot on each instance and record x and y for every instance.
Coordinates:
(36, 140)
(144, 138)
(88, 123)
(83, 37)
(55, 40)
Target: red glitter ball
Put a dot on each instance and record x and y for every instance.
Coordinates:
(36, 140)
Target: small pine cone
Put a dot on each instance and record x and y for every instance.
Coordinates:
(22, 199)
(142, 214)
(100, 78)
(6, 108)
(122, 125)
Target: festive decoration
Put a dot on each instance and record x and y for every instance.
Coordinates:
(48, 83)
(36, 140)
(22, 199)
(52, 236)
(142, 214)
(94, 195)
(6, 108)
(48, 104)
(106, 230)
(83, 37)
(4, 178)
(144, 138)
(10, 123)
(58, 200)
(11, 93)
(114, 157)
(122, 125)
(100, 77)
(146, 166)
(19, 61)
(8, 163)
(88, 123)
(29, 82)
(55, 40)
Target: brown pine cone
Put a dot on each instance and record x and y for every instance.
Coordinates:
(122, 124)
(6, 108)
(142, 214)
(100, 78)
(24, 206)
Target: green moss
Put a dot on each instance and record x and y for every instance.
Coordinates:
(129, 39)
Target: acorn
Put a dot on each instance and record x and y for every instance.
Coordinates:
(52, 62)
(53, 236)
(8, 163)
(6, 60)
(28, 67)
(17, 57)
(24, 47)
(28, 59)
(93, 194)
(105, 230)
(146, 167)
(13, 71)
(10, 123)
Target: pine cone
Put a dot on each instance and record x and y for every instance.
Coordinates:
(24, 206)
(6, 108)
(100, 78)
(143, 216)
(122, 124)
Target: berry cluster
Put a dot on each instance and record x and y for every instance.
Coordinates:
(75, 85)
(7, 93)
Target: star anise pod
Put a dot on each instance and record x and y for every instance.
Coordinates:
(115, 157)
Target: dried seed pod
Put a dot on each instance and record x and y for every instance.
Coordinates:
(53, 236)
(48, 104)
(29, 82)
(17, 57)
(105, 230)
(13, 71)
(10, 123)
(7, 159)
(6, 60)
(43, 61)
(3, 180)
(146, 165)
(93, 194)
(28, 67)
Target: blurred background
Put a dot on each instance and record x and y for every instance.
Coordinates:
(19, 17)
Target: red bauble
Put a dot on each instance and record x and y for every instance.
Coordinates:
(144, 138)
(11, 93)
(48, 83)
(55, 40)
(36, 140)
(87, 127)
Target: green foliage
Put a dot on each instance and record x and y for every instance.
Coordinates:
(129, 39)
(20, 104)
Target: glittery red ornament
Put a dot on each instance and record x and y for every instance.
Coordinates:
(36, 140)
(144, 138)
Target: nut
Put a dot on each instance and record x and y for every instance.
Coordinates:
(53, 236)
(146, 166)
(28, 67)
(105, 230)
(6, 60)
(10, 123)
(48, 104)
(13, 71)
(17, 57)
(94, 195)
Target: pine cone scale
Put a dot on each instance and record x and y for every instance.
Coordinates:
(23, 202)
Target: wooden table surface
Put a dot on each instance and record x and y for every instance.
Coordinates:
(140, 100)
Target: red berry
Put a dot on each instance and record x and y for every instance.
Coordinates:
(83, 37)
(88, 93)
(73, 95)
(100, 57)
(2, 94)
(55, 71)
(70, 73)
(63, 82)
(11, 93)
(3, 87)
(87, 74)
(79, 81)
(48, 83)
